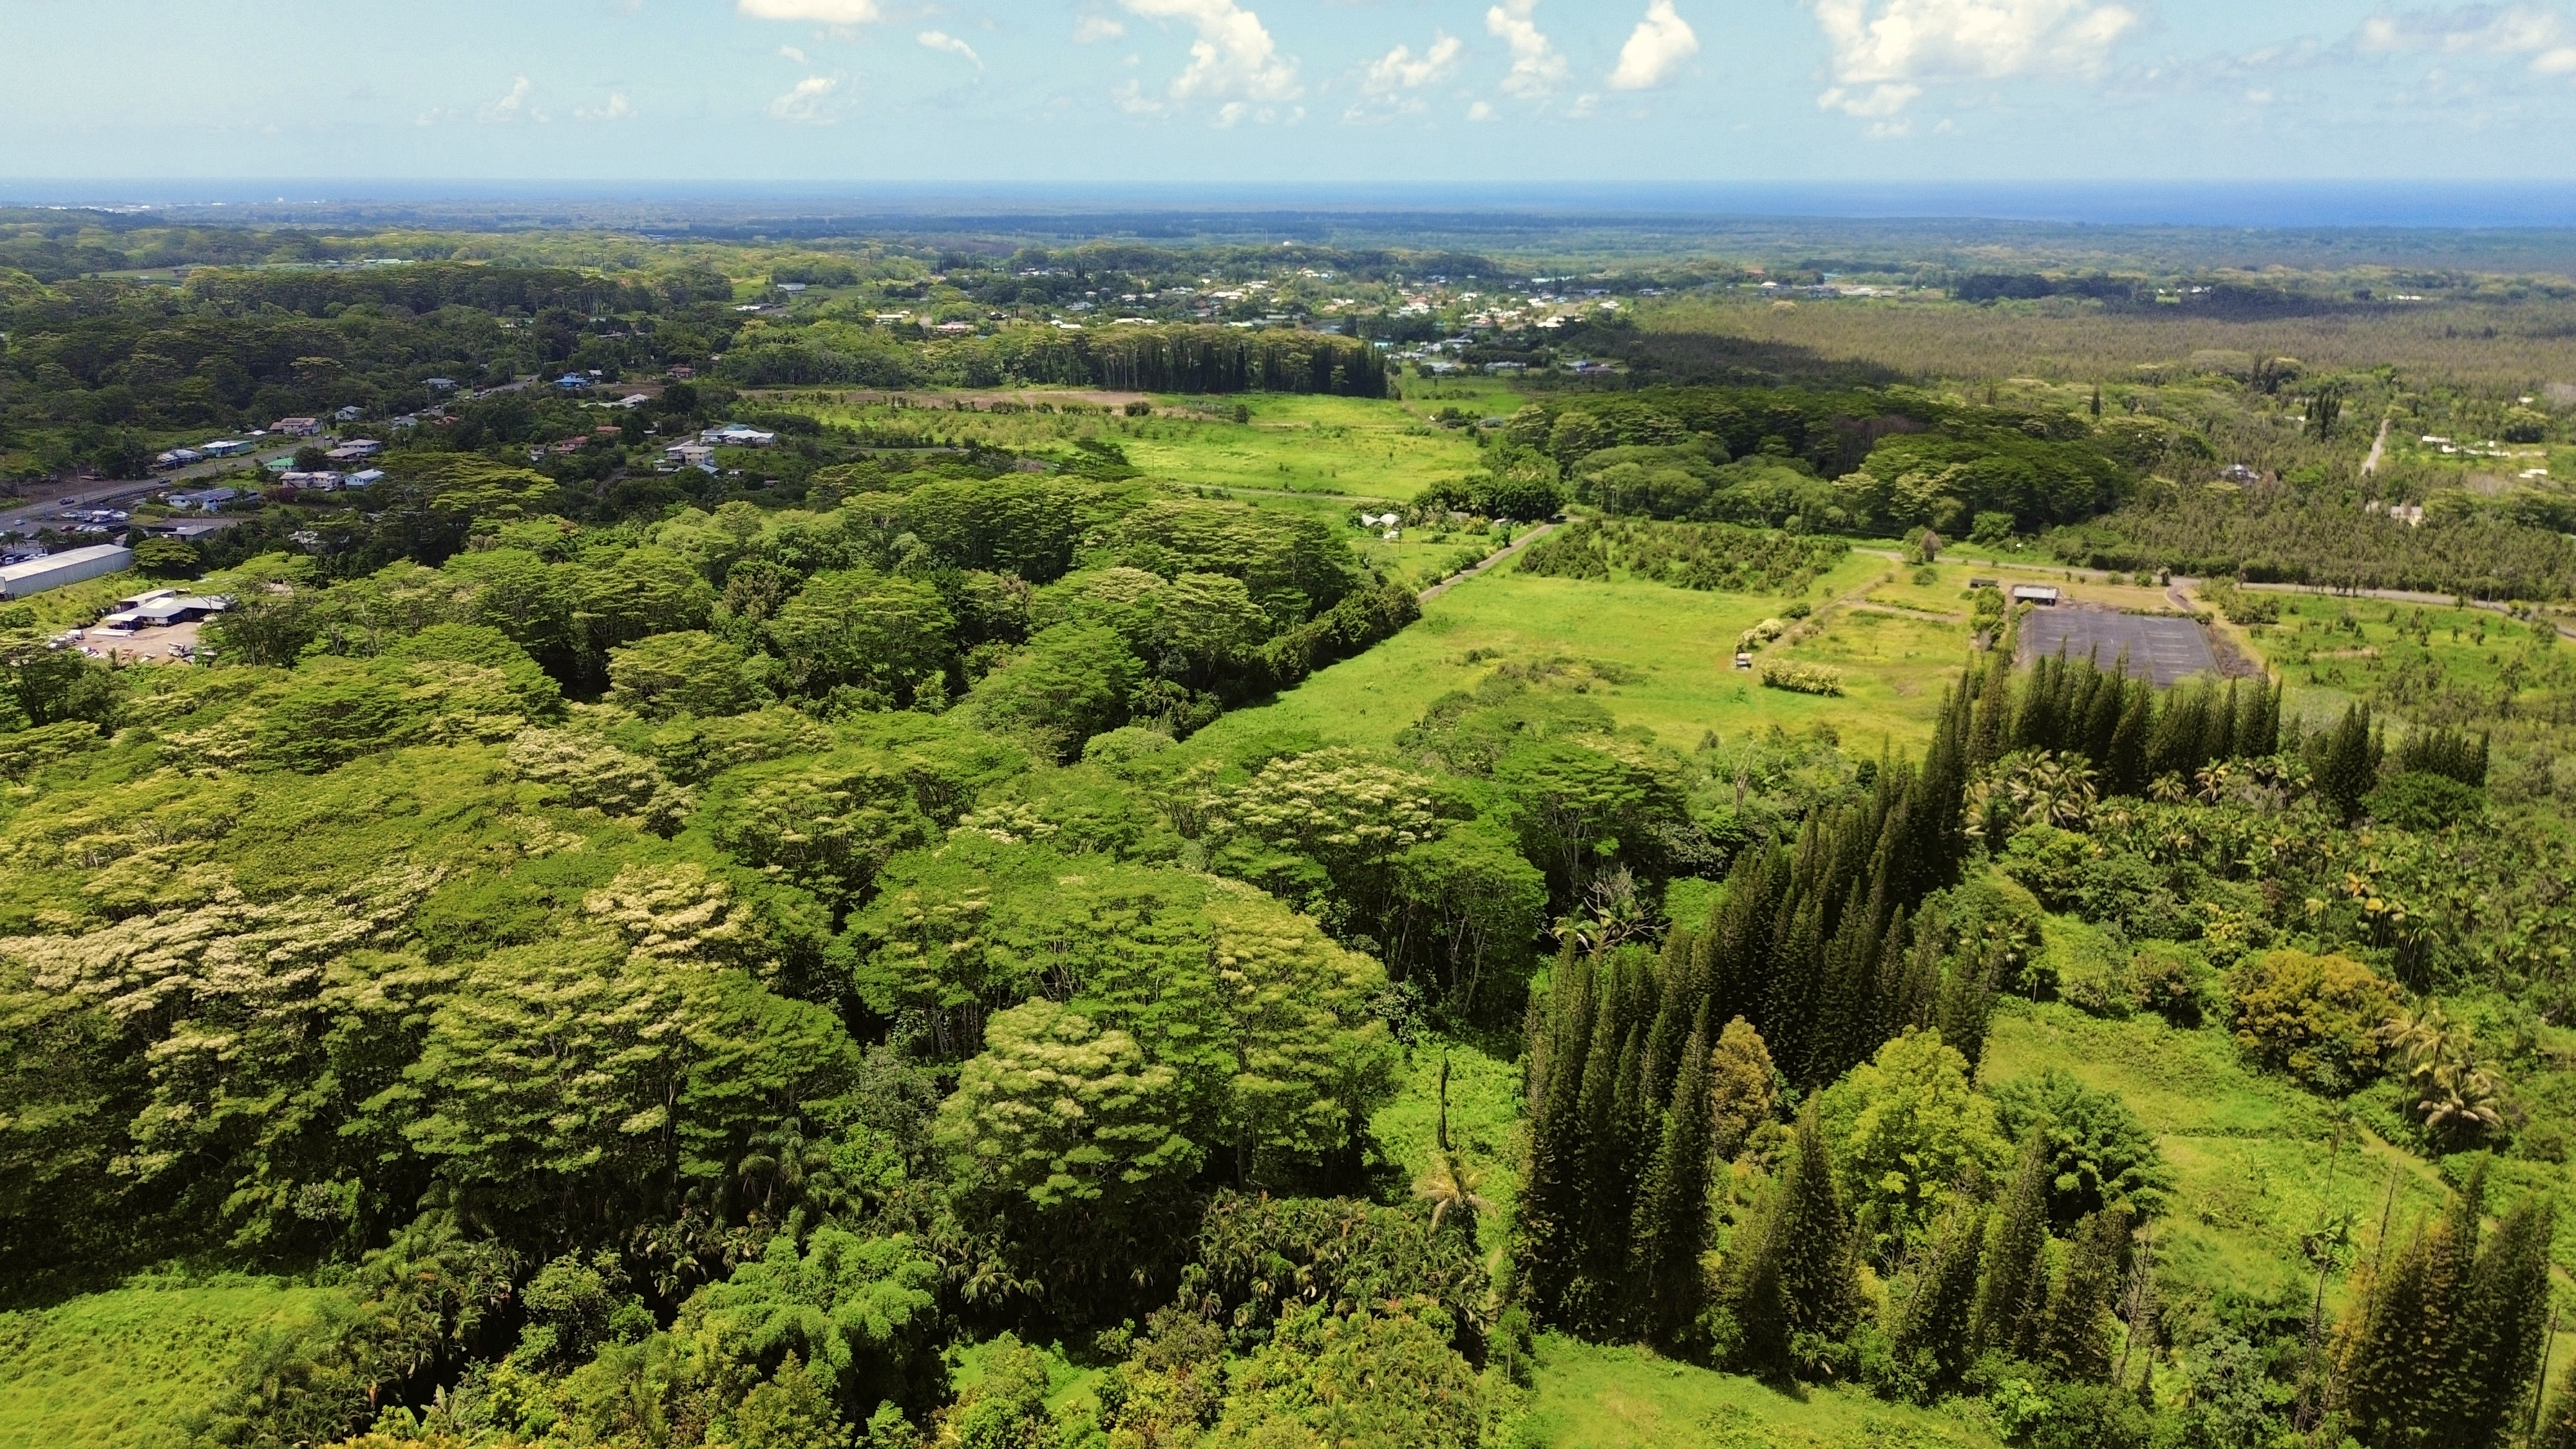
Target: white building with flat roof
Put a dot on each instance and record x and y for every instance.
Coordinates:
(71, 566)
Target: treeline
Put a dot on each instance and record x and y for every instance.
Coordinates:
(2129, 734)
(1814, 954)
(420, 287)
(1144, 359)
(2329, 542)
(102, 374)
(1876, 460)
(54, 246)
(1709, 557)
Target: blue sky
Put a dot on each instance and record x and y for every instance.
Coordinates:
(1261, 91)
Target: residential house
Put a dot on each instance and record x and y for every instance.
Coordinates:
(298, 427)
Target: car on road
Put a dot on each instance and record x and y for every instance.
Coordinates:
(68, 502)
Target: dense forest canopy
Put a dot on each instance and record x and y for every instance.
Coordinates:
(1012, 841)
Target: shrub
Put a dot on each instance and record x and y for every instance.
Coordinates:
(2317, 1018)
(2422, 801)
(2101, 1155)
(1762, 633)
(2170, 981)
(2102, 884)
(1802, 678)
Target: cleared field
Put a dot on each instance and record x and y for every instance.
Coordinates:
(1590, 1396)
(1670, 651)
(2248, 1152)
(1349, 448)
(141, 1367)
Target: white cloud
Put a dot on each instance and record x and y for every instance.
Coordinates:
(617, 109)
(822, 12)
(942, 40)
(1885, 51)
(1401, 70)
(1392, 83)
(2468, 30)
(809, 102)
(1092, 28)
(792, 53)
(1481, 111)
(2544, 35)
(519, 104)
(1536, 67)
(1655, 49)
(1233, 61)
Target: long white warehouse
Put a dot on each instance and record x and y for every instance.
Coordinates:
(53, 571)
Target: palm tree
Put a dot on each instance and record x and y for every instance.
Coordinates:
(2457, 1097)
(1449, 1185)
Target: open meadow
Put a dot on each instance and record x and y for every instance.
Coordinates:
(1351, 448)
(1662, 659)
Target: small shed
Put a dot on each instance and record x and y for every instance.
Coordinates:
(2044, 595)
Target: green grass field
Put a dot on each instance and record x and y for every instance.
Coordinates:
(1348, 448)
(1591, 1396)
(142, 1366)
(2332, 650)
(1484, 1124)
(1669, 654)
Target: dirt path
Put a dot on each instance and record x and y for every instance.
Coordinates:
(2378, 447)
(1445, 585)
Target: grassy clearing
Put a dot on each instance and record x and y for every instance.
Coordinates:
(2248, 1152)
(1671, 652)
(1346, 448)
(1484, 1124)
(2408, 656)
(1418, 558)
(1589, 1396)
(139, 1367)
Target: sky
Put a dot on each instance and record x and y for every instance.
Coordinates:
(1253, 92)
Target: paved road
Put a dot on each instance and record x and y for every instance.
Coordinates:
(44, 506)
